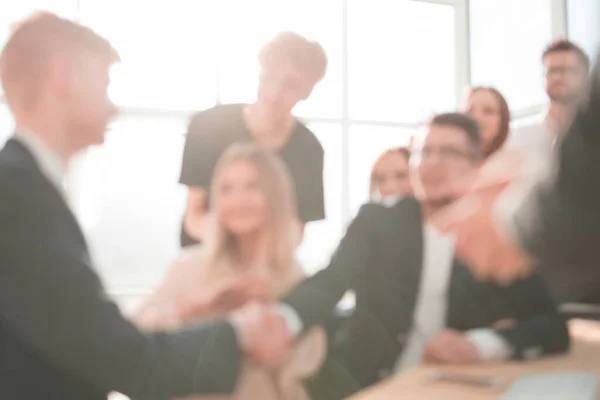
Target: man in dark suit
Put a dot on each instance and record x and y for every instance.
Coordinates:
(414, 299)
(61, 337)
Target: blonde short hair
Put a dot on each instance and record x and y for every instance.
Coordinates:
(306, 55)
(33, 44)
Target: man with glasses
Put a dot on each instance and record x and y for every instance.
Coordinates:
(414, 300)
(566, 69)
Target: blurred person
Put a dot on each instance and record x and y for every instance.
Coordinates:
(489, 109)
(252, 236)
(61, 337)
(389, 175)
(566, 70)
(415, 299)
(548, 214)
(290, 67)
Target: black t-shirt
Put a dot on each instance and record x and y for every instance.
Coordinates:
(212, 131)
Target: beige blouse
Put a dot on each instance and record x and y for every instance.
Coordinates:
(186, 276)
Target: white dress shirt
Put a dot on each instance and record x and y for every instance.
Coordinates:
(432, 305)
(514, 207)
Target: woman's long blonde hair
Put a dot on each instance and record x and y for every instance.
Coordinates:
(276, 184)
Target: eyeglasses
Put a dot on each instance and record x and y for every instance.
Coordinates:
(445, 154)
(571, 71)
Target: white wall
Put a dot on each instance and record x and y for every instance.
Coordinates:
(583, 24)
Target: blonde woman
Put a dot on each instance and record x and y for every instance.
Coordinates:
(248, 256)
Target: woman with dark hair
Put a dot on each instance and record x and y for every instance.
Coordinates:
(389, 175)
(489, 109)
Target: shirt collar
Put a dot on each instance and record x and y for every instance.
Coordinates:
(50, 163)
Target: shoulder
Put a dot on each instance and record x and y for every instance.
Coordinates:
(308, 139)
(389, 207)
(406, 211)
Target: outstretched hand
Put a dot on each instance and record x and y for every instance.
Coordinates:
(224, 296)
(263, 334)
(481, 241)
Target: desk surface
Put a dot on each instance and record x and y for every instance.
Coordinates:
(584, 355)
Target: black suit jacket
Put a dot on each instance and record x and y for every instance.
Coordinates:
(381, 258)
(61, 337)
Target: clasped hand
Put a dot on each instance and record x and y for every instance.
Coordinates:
(261, 330)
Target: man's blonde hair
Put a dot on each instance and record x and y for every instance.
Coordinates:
(306, 55)
(33, 44)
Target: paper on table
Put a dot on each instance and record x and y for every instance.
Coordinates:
(554, 386)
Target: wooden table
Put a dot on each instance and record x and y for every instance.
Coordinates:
(414, 384)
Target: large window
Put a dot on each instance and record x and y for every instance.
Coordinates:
(391, 64)
(401, 59)
(129, 201)
(507, 39)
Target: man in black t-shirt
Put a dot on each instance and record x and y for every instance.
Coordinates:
(290, 68)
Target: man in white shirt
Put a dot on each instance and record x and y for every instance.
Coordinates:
(566, 69)
(414, 300)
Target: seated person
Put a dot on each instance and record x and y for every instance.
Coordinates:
(248, 256)
(389, 175)
(415, 301)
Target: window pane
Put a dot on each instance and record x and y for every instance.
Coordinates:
(129, 201)
(255, 22)
(168, 50)
(321, 237)
(401, 59)
(507, 40)
(366, 144)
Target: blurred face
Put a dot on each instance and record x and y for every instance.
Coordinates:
(242, 204)
(281, 87)
(565, 76)
(85, 99)
(443, 162)
(391, 175)
(483, 106)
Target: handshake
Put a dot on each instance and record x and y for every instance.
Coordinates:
(261, 328)
(263, 333)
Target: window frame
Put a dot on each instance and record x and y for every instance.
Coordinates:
(462, 79)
